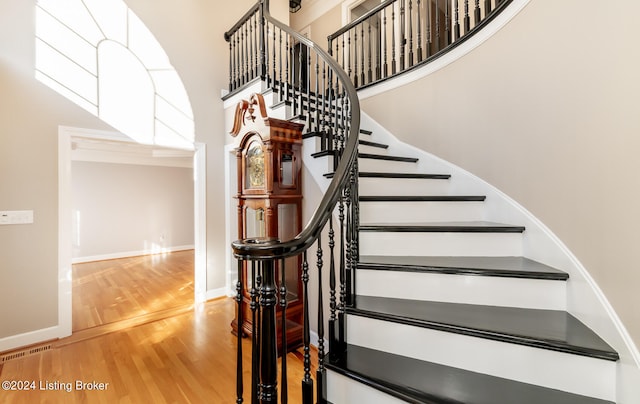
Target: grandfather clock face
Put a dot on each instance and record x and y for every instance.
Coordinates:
(255, 173)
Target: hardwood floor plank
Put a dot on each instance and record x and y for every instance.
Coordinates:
(189, 357)
(113, 290)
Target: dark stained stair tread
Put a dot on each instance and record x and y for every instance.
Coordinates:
(418, 381)
(547, 329)
(422, 198)
(513, 267)
(437, 227)
(418, 176)
(387, 157)
(373, 144)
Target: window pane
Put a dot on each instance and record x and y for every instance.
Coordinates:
(74, 15)
(126, 92)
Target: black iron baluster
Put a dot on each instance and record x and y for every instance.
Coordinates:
(262, 45)
(333, 348)
(362, 55)
(456, 24)
(240, 56)
(369, 71)
(447, 23)
(429, 31)
(246, 52)
(268, 348)
(283, 312)
(438, 40)
(349, 53)
(393, 39)
(410, 33)
(281, 83)
(287, 81)
(385, 69)
(355, 57)
(349, 262)
(254, 56)
(231, 87)
(321, 393)
(273, 60)
(239, 381)
(317, 107)
(267, 78)
(255, 363)
(403, 36)
(237, 62)
(307, 61)
(487, 8)
(467, 19)
(307, 381)
(323, 99)
(419, 6)
(342, 326)
(378, 48)
(477, 13)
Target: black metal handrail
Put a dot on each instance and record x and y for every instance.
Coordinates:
(400, 35)
(321, 94)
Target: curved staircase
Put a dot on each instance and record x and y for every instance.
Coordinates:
(447, 308)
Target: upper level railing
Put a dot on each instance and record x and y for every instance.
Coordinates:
(322, 96)
(399, 35)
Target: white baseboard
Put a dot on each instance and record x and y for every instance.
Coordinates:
(126, 254)
(29, 338)
(216, 293)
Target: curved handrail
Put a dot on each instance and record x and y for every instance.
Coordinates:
(268, 248)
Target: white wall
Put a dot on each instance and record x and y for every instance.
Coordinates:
(124, 209)
(547, 110)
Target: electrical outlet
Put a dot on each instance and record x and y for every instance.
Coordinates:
(16, 217)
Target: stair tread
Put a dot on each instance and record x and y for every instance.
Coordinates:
(399, 175)
(418, 381)
(422, 198)
(548, 329)
(440, 227)
(373, 144)
(514, 267)
(387, 157)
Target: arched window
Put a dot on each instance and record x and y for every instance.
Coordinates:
(99, 54)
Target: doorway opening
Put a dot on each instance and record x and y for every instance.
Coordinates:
(111, 270)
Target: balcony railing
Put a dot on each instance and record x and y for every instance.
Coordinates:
(399, 35)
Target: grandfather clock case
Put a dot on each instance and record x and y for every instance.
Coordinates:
(269, 167)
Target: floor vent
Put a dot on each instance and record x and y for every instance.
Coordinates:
(25, 352)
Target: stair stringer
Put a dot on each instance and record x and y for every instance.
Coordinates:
(585, 300)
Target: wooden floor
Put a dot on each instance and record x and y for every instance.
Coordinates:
(114, 290)
(138, 333)
(186, 358)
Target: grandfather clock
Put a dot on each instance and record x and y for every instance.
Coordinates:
(269, 166)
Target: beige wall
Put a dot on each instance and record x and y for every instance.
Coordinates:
(552, 118)
(191, 32)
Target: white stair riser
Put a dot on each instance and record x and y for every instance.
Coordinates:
(343, 390)
(412, 212)
(376, 165)
(572, 373)
(441, 244)
(470, 289)
(402, 186)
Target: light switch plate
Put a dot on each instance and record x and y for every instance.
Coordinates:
(16, 217)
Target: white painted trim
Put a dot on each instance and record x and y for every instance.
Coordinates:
(126, 254)
(216, 293)
(229, 192)
(30, 338)
(65, 220)
(200, 222)
(459, 51)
